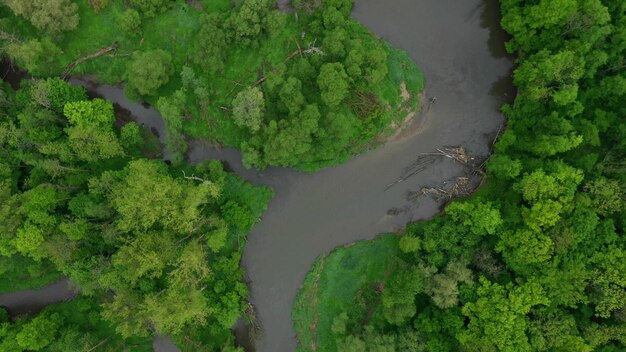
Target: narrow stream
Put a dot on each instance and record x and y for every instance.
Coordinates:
(32, 301)
(458, 44)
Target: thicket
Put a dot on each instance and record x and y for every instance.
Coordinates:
(535, 260)
(154, 249)
(73, 326)
(307, 89)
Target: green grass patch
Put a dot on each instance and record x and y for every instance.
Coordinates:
(402, 71)
(333, 283)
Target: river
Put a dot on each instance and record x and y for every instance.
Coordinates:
(458, 44)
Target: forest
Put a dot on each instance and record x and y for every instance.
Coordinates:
(306, 91)
(535, 259)
(153, 247)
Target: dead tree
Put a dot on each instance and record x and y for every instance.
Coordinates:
(78, 61)
(457, 153)
(196, 178)
(419, 165)
(423, 160)
(449, 190)
(310, 50)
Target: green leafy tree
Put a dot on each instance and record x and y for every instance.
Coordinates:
(248, 108)
(171, 108)
(504, 167)
(608, 281)
(211, 44)
(130, 21)
(39, 332)
(29, 241)
(498, 318)
(133, 196)
(36, 56)
(443, 287)
(150, 8)
(291, 95)
(607, 196)
(97, 112)
(90, 143)
(51, 16)
(288, 140)
(150, 70)
(252, 20)
(217, 236)
(333, 83)
(548, 75)
(525, 247)
(54, 93)
(398, 298)
(90, 135)
(557, 331)
(130, 136)
(481, 218)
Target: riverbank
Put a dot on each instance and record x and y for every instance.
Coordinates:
(281, 54)
(332, 286)
(466, 70)
(535, 250)
(314, 213)
(32, 300)
(231, 208)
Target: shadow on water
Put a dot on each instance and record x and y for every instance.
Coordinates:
(503, 90)
(490, 18)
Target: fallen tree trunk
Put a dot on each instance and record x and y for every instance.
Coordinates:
(98, 53)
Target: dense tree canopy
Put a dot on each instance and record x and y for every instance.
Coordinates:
(149, 71)
(51, 16)
(535, 260)
(150, 245)
(317, 81)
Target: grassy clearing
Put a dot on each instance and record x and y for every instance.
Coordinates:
(333, 282)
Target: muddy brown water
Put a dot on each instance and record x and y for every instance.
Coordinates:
(32, 301)
(459, 47)
(458, 44)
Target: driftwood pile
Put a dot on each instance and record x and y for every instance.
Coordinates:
(424, 160)
(461, 187)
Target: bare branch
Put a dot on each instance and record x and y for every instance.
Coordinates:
(196, 178)
(98, 53)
